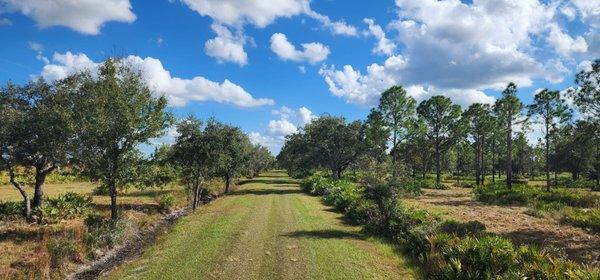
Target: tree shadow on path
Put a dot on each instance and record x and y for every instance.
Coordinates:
(324, 234)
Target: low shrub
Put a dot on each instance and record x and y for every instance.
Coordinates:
(521, 195)
(165, 202)
(11, 208)
(496, 194)
(470, 228)
(589, 219)
(104, 232)
(65, 206)
(316, 184)
(61, 250)
(410, 187)
(453, 257)
(464, 185)
(568, 197)
(341, 193)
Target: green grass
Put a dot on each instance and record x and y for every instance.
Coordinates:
(266, 229)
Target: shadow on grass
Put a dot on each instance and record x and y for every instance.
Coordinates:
(147, 193)
(19, 236)
(268, 181)
(266, 192)
(324, 234)
(580, 250)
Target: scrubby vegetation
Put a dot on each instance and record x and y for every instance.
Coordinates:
(446, 249)
(484, 148)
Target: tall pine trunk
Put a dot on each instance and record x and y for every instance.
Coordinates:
(547, 167)
(437, 163)
(509, 153)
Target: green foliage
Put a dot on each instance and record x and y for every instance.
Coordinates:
(317, 184)
(11, 208)
(166, 202)
(326, 142)
(115, 112)
(61, 249)
(103, 232)
(342, 193)
(470, 228)
(66, 206)
(589, 219)
(521, 195)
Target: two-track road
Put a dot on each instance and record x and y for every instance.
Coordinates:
(266, 229)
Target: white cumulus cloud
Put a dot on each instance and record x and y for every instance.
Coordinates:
(226, 46)
(84, 16)
(384, 46)
(311, 53)
(179, 91)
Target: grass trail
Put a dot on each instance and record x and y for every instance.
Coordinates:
(266, 229)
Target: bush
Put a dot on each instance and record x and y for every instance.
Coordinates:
(583, 219)
(568, 197)
(499, 194)
(316, 184)
(65, 206)
(166, 202)
(61, 250)
(410, 187)
(521, 195)
(469, 258)
(104, 232)
(470, 228)
(341, 193)
(11, 208)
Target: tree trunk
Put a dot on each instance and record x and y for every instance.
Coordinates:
(494, 160)
(21, 189)
(195, 198)
(40, 179)
(477, 168)
(437, 163)
(509, 154)
(547, 167)
(114, 215)
(555, 178)
(227, 183)
(482, 163)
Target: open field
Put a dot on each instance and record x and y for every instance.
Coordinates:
(27, 242)
(267, 229)
(512, 222)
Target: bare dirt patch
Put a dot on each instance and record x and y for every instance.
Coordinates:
(512, 222)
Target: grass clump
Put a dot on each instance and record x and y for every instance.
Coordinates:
(589, 219)
(166, 202)
(104, 232)
(61, 250)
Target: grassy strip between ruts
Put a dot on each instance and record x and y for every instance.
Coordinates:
(267, 229)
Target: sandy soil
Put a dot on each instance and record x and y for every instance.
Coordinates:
(512, 222)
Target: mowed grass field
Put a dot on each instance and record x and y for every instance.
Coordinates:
(266, 229)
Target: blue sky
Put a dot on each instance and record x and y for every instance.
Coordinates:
(271, 66)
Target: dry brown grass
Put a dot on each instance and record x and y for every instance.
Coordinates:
(23, 246)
